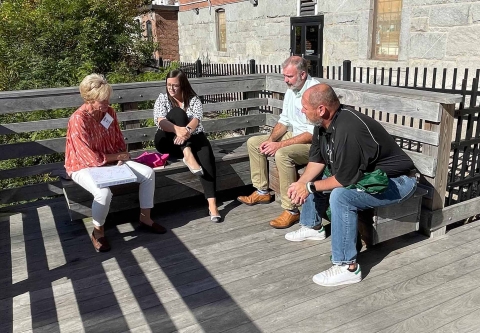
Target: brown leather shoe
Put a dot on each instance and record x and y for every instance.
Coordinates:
(155, 228)
(285, 220)
(101, 244)
(255, 198)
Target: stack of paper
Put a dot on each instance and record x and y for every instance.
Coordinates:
(106, 176)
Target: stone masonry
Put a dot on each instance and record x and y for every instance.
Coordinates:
(253, 32)
(434, 33)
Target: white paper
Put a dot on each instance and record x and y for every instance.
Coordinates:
(106, 176)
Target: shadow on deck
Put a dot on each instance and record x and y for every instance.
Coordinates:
(236, 276)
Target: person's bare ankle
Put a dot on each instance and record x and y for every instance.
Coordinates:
(98, 233)
(145, 220)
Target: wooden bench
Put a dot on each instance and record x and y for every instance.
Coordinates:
(421, 121)
(422, 124)
(173, 182)
(375, 225)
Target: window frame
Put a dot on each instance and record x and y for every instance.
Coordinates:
(218, 27)
(149, 30)
(373, 53)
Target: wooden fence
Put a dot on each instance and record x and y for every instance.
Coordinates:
(464, 172)
(434, 137)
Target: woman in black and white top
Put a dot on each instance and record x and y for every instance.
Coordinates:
(178, 115)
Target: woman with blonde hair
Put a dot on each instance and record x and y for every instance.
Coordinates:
(94, 139)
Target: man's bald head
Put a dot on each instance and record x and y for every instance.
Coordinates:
(322, 94)
(319, 104)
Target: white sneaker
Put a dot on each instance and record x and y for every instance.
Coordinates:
(305, 233)
(338, 275)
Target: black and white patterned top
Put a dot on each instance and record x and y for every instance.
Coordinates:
(194, 110)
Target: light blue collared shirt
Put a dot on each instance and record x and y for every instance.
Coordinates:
(292, 109)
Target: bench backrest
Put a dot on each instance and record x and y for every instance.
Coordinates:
(242, 94)
(421, 121)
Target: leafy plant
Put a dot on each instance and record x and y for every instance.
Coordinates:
(56, 43)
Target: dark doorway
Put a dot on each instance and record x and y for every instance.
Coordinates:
(306, 40)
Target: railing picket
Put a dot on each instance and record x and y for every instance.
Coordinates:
(444, 79)
(472, 153)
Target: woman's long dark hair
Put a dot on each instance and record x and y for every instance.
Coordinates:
(187, 91)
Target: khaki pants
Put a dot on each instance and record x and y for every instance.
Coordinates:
(286, 158)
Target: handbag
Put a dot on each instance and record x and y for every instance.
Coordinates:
(153, 160)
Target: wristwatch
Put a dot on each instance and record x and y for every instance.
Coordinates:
(311, 187)
(189, 129)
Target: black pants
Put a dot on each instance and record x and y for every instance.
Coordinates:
(198, 143)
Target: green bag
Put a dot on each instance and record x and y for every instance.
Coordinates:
(372, 182)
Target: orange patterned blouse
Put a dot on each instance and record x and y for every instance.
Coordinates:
(88, 141)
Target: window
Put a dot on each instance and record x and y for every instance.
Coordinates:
(221, 30)
(149, 30)
(139, 27)
(386, 29)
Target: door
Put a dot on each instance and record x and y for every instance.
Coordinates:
(306, 40)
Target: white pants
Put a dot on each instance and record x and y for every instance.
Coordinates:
(103, 196)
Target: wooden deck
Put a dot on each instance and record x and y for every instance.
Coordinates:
(236, 276)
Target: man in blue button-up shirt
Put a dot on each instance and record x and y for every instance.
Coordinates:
(290, 148)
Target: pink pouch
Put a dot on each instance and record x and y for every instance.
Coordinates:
(153, 160)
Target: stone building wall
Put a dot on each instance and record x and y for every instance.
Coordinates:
(434, 33)
(253, 32)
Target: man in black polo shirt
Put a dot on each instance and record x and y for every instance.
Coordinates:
(366, 169)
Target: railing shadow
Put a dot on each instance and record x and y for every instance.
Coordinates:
(147, 282)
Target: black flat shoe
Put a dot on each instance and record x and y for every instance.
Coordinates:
(214, 218)
(155, 227)
(100, 244)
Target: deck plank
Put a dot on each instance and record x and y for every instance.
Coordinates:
(236, 276)
(307, 309)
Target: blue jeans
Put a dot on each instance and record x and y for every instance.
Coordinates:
(309, 215)
(345, 204)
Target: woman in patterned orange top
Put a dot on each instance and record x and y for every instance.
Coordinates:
(94, 139)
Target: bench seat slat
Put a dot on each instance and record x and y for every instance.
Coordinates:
(173, 182)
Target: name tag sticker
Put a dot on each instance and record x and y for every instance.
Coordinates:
(107, 121)
(298, 111)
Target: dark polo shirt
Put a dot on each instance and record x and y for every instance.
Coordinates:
(354, 144)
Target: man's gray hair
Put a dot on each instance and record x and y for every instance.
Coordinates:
(298, 62)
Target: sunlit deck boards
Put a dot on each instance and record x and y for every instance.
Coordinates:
(237, 276)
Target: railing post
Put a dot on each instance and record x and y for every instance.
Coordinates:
(439, 181)
(160, 62)
(251, 67)
(198, 68)
(347, 70)
(251, 94)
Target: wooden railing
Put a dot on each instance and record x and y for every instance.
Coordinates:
(127, 95)
(431, 149)
(430, 138)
